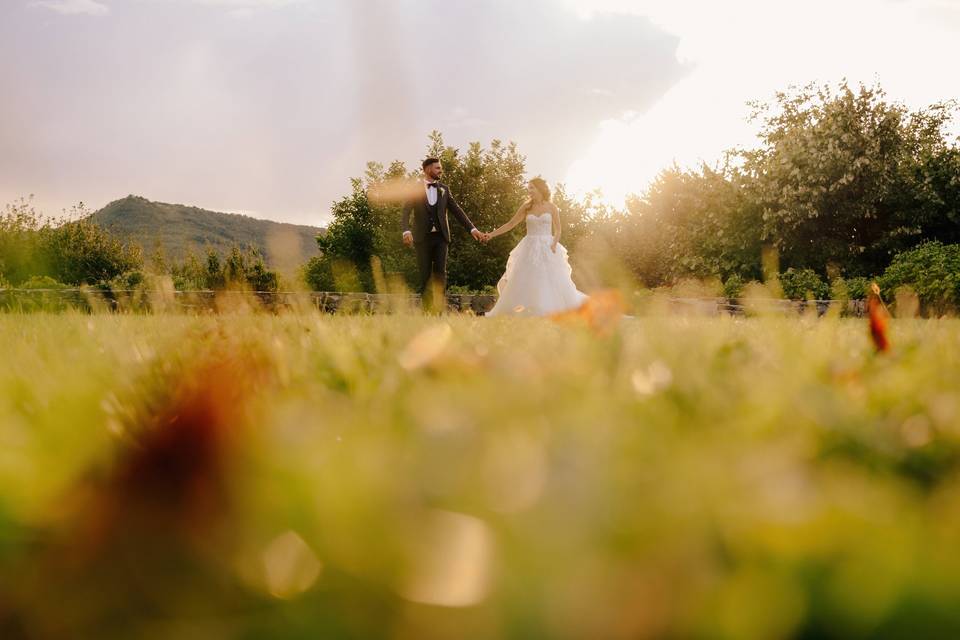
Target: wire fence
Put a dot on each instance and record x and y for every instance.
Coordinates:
(145, 300)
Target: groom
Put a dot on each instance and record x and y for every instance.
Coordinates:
(430, 236)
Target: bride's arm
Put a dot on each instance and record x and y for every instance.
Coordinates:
(556, 225)
(514, 221)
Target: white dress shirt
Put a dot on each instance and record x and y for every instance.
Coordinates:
(432, 192)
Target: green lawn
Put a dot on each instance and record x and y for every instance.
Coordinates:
(308, 476)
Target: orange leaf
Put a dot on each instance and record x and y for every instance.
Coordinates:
(602, 311)
(877, 313)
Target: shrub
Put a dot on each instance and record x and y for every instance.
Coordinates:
(124, 282)
(858, 287)
(464, 290)
(932, 270)
(850, 288)
(323, 273)
(317, 274)
(799, 284)
(244, 269)
(733, 287)
(42, 282)
(44, 296)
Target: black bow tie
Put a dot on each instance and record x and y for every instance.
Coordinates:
(431, 185)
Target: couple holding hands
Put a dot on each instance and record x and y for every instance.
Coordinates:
(537, 279)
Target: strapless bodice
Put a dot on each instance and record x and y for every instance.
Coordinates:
(541, 225)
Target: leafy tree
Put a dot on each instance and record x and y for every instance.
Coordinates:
(843, 180)
(189, 275)
(243, 269)
(21, 255)
(844, 177)
(349, 238)
(214, 278)
(693, 224)
(258, 277)
(488, 183)
(317, 273)
(80, 252)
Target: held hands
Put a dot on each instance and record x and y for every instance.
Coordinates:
(478, 235)
(481, 236)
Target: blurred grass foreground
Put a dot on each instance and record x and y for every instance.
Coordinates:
(315, 476)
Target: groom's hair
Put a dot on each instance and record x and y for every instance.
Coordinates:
(429, 161)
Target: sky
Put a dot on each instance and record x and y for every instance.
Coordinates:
(269, 107)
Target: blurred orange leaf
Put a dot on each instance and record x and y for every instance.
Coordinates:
(601, 312)
(877, 313)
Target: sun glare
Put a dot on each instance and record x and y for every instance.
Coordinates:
(741, 51)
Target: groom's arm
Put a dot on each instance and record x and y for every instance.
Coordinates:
(460, 215)
(405, 222)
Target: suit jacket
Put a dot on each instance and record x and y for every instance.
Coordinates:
(421, 217)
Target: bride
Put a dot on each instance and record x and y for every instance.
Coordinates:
(537, 278)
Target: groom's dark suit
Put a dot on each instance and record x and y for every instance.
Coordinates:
(431, 232)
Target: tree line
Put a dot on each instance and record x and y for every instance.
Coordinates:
(844, 187)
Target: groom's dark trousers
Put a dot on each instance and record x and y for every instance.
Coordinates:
(432, 265)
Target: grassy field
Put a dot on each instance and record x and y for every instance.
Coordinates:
(307, 476)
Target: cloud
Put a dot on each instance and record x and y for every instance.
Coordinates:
(74, 7)
(242, 5)
(276, 113)
(240, 9)
(248, 3)
(532, 72)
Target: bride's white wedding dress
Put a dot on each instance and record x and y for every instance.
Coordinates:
(537, 280)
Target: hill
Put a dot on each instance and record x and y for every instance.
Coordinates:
(180, 228)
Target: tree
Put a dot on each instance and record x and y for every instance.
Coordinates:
(842, 181)
(244, 269)
(846, 178)
(488, 183)
(21, 255)
(692, 224)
